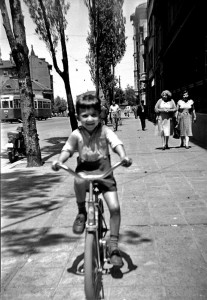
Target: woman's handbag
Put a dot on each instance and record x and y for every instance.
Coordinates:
(176, 134)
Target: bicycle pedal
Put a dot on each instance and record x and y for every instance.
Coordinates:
(105, 271)
(107, 266)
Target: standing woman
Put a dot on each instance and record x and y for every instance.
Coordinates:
(165, 109)
(185, 117)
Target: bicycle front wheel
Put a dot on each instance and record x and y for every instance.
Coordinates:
(92, 273)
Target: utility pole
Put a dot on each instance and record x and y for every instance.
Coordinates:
(96, 40)
(119, 90)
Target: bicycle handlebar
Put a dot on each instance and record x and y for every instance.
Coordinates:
(90, 177)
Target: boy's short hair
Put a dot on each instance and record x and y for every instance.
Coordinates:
(87, 102)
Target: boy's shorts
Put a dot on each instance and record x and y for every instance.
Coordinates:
(98, 167)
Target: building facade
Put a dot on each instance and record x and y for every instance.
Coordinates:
(139, 22)
(176, 55)
(40, 72)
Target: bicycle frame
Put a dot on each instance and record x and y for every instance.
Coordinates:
(93, 281)
(92, 232)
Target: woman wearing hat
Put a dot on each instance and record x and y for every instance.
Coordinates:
(165, 109)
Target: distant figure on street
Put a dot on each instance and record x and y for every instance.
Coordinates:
(127, 111)
(142, 114)
(114, 111)
(185, 117)
(104, 114)
(165, 109)
(134, 109)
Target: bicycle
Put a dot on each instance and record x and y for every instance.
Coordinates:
(96, 252)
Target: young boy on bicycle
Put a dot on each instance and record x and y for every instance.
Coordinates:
(92, 140)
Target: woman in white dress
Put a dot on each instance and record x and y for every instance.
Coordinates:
(165, 109)
(185, 117)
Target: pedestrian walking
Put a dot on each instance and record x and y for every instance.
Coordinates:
(104, 114)
(185, 117)
(134, 109)
(114, 111)
(127, 111)
(142, 113)
(165, 109)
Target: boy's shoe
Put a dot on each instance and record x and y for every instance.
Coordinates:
(79, 224)
(115, 258)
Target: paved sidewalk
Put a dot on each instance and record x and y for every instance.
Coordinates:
(163, 236)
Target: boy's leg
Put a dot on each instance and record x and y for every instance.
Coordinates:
(80, 191)
(112, 201)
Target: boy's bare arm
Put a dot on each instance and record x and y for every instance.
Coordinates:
(64, 155)
(122, 154)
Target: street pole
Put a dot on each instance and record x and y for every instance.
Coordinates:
(96, 42)
(119, 90)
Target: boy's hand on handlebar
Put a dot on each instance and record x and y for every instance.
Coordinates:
(55, 165)
(126, 161)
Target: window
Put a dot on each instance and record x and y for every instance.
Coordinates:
(11, 104)
(46, 104)
(16, 103)
(5, 104)
(39, 104)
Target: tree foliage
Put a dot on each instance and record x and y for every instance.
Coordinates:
(119, 96)
(130, 95)
(106, 40)
(50, 19)
(17, 41)
(60, 105)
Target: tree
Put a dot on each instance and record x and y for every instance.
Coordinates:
(50, 21)
(106, 40)
(19, 50)
(60, 105)
(119, 95)
(130, 95)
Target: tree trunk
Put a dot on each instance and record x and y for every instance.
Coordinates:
(28, 116)
(17, 41)
(71, 108)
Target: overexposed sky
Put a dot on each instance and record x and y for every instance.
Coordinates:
(77, 46)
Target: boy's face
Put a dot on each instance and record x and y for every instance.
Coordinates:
(89, 118)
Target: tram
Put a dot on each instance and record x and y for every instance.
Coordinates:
(10, 108)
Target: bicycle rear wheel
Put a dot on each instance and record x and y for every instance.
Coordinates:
(93, 275)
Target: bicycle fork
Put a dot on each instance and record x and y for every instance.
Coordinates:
(92, 223)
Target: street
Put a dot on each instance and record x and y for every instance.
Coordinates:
(51, 131)
(163, 237)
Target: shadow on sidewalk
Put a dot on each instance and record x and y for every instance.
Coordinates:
(32, 241)
(77, 267)
(26, 198)
(130, 237)
(56, 146)
(25, 191)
